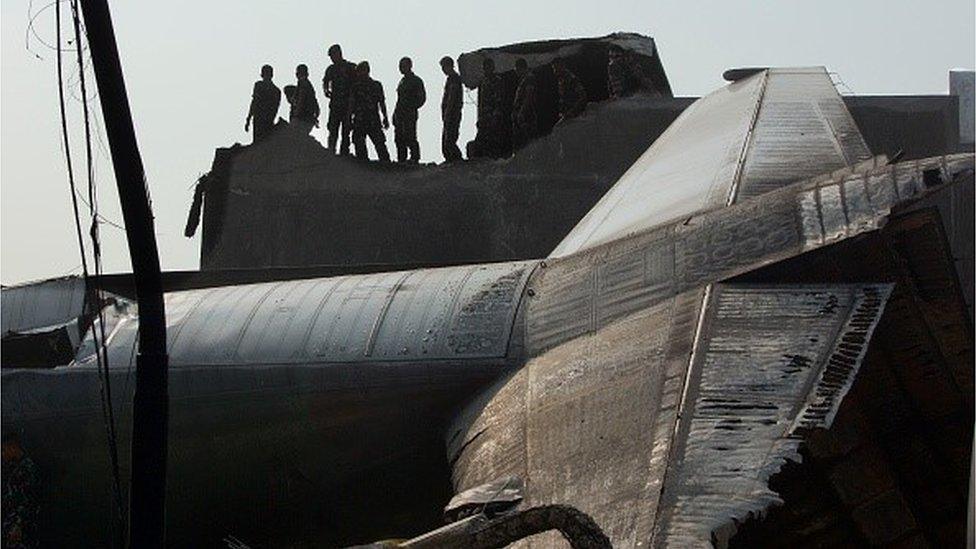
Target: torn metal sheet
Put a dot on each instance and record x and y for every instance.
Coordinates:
(492, 497)
(769, 361)
(750, 137)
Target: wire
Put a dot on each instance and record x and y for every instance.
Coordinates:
(97, 255)
(32, 30)
(100, 350)
(99, 216)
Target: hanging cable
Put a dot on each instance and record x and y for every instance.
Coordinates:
(97, 256)
(99, 342)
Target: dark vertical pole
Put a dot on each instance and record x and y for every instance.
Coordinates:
(151, 403)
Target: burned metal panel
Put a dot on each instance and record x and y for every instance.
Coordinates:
(589, 423)
(769, 360)
(901, 444)
(457, 312)
(581, 293)
(802, 130)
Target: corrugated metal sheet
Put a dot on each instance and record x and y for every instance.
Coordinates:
(40, 305)
(748, 138)
(457, 312)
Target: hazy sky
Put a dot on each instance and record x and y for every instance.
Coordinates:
(189, 67)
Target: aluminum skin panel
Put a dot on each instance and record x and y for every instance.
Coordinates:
(434, 314)
(689, 168)
(751, 137)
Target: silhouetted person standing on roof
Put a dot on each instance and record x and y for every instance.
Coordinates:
(572, 94)
(451, 111)
(491, 115)
(336, 84)
(265, 100)
(366, 103)
(525, 119)
(411, 95)
(305, 107)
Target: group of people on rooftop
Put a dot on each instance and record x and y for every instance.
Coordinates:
(357, 105)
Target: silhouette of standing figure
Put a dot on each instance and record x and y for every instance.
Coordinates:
(572, 94)
(336, 84)
(491, 113)
(451, 111)
(366, 102)
(305, 107)
(525, 120)
(411, 95)
(265, 100)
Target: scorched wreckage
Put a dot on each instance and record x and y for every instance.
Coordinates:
(755, 332)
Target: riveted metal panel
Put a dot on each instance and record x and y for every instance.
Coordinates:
(810, 214)
(450, 313)
(860, 215)
(881, 192)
